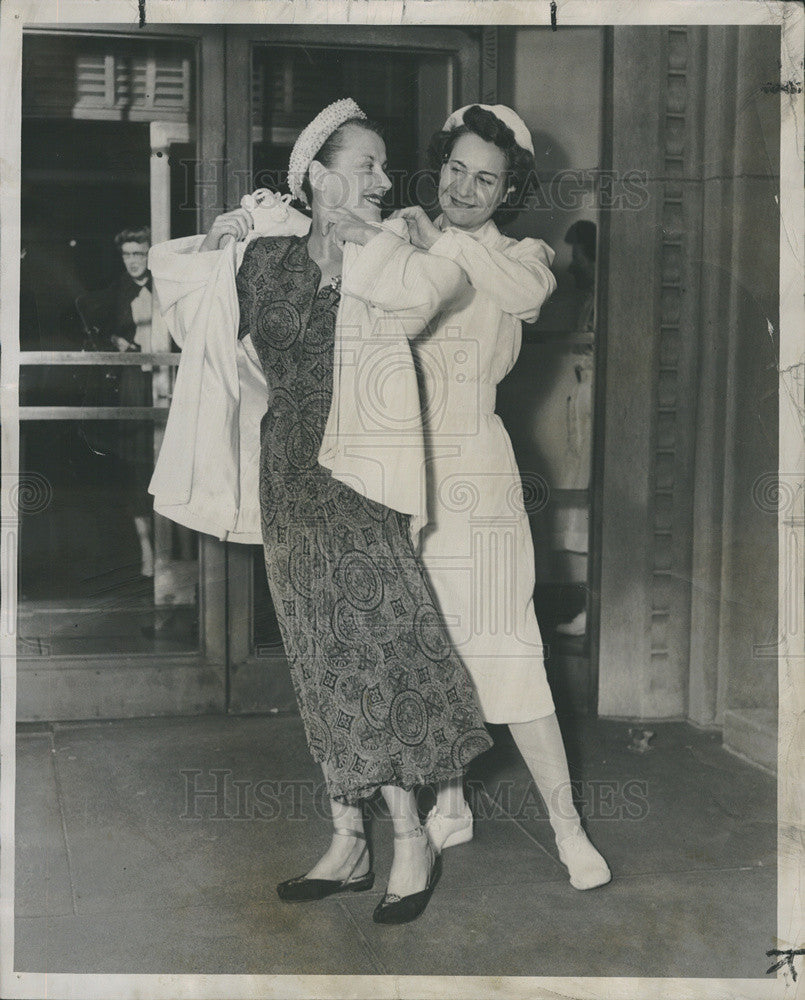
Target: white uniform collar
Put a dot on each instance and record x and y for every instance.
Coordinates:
(487, 233)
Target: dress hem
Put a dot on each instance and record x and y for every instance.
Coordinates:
(509, 721)
(352, 795)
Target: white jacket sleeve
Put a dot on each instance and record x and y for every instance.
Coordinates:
(391, 275)
(206, 475)
(516, 275)
(181, 276)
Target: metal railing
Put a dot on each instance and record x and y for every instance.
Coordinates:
(105, 359)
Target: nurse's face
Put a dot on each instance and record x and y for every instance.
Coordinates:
(472, 182)
(356, 176)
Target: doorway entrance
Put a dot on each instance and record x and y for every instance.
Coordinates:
(111, 600)
(123, 131)
(406, 81)
(118, 614)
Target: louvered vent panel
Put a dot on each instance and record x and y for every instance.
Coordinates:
(90, 78)
(139, 82)
(310, 89)
(91, 87)
(290, 88)
(122, 74)
(295, 90)
(258, 93)
(172, 84)
(258, 100)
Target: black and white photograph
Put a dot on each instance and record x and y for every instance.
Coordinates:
(403, 509)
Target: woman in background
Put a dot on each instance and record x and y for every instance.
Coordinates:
(118, 318)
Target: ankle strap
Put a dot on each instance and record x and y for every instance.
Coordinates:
(345, 831)
(409, 834)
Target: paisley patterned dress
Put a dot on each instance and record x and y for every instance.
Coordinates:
(384, 698)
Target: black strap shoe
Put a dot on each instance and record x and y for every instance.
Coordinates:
(306, 890)
(394, 909)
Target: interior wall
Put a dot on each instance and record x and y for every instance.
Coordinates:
(746, 666)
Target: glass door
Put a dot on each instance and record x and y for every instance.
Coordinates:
(408, 79)
(119, 610)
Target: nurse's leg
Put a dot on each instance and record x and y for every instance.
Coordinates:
(540, 743)
(449, 823)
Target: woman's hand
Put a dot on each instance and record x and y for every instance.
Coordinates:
(121, 343)
(421, 231)
(347, 227)
(234, 225)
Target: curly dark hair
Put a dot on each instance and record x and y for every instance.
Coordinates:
(520, 167)
(141, 235)
(333, 143)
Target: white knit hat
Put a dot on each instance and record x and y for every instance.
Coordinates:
(521, 134)
(313, 137)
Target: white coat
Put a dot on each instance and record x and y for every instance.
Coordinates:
(206, 475)
(477, 547)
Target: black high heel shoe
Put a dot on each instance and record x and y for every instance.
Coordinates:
(394, 909)
(306, 890)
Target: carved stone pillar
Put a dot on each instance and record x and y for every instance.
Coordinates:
(637, 567)
(688, 560)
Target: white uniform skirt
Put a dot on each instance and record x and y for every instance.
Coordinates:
(479, 556)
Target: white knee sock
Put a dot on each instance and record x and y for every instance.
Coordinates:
(540, 743)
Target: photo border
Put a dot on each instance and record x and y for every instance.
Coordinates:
(791, 771)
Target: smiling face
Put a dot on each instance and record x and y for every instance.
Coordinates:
(356, 176)
(472, 182)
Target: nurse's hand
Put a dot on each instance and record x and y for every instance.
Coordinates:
(234, 225)
(347, 227)
(421, 231)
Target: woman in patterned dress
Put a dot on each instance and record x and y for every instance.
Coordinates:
(385, 700)
(477, 547)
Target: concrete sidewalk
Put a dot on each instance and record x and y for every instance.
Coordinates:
(124, 865)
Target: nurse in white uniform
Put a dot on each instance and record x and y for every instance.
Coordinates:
(477, 546)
